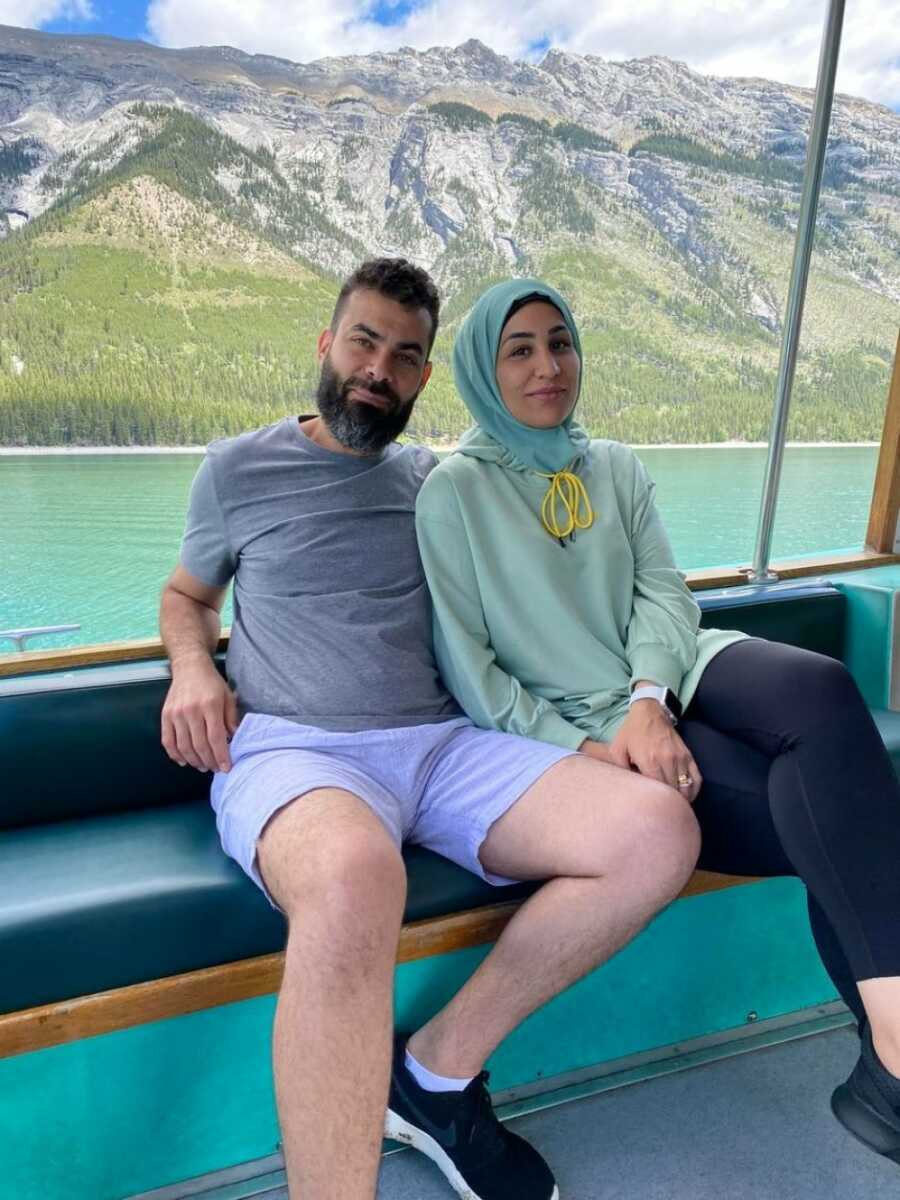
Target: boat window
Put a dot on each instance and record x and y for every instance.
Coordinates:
(709, 499)
(162, 284)
(89, 539)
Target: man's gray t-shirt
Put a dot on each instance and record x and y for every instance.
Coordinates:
(332, 617)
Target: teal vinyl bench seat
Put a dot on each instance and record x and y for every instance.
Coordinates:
(105, 902)
(110, 869)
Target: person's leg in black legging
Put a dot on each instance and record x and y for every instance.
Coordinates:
(739, 835)
(834, 801)
(832, 955)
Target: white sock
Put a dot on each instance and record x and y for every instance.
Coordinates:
(429, 1081)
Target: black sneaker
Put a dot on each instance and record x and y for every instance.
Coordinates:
(460, 1132)
(868, 1104)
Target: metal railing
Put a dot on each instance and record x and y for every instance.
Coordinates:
(812, 181)
(19, 637)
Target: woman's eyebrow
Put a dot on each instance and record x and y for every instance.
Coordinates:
(525, 334)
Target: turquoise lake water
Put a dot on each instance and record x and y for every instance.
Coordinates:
(90, 539)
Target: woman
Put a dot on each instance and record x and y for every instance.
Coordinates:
(559, 614)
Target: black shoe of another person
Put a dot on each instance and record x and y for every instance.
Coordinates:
(460, 1133)
(868, 1104)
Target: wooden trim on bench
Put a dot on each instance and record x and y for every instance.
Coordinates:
(32, 661)
(795, 568)
(28, 662)
(123, 1008)
(886, 494)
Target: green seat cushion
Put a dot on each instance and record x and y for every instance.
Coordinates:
(109, 901)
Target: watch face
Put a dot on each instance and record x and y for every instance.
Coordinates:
(673, 704)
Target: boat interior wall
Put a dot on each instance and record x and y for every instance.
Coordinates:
(872, 634)
(113, 1116)
(139, 957)
(110, 871)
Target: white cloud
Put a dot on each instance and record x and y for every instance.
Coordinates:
(775, 39)
(32, 14)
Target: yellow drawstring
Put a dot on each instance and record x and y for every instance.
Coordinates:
(568, 490)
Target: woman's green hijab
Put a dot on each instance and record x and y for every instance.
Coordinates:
(474, 369)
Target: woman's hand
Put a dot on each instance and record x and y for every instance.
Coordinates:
(648, 743)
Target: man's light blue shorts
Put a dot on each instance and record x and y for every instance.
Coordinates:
(440, 786)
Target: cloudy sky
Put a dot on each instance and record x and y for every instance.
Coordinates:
(777, 39)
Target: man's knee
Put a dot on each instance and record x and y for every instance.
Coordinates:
(345, 913)
(331, 860)
(355, 874)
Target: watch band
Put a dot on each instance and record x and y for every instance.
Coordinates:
(664, 696)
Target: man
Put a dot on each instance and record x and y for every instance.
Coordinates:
(344, 743)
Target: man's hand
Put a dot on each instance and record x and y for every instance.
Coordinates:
(597, 750)
(200, 713)
(199, 716)
(648, 742)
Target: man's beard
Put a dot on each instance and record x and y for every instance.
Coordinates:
(362, 427)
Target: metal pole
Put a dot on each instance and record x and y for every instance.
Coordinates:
(815, 160)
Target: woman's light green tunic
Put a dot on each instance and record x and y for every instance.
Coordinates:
(542, 640)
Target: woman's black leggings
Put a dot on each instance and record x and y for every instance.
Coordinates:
(797, 781)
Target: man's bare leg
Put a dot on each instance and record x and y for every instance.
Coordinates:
(617, 848)
(333, 869)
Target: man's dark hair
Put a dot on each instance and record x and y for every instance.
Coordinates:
(399, 280)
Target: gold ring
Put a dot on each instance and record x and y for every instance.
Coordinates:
(684, 781)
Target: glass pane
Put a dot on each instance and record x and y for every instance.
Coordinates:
(709, 498)
(89, 540)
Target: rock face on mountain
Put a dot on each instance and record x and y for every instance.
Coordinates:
(194, 207)
(461, 156)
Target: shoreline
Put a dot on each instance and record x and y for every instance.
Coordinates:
(443, 447)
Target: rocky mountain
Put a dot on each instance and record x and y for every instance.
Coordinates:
(663, 200)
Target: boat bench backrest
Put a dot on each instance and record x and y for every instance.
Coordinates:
(87, 742)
